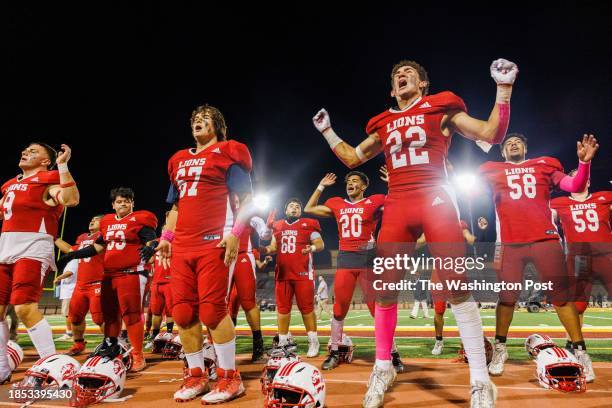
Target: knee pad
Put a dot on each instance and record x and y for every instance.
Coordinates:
(183, 314)
(581, 306)
(211, 314)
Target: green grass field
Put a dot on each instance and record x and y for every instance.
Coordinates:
(599, 349)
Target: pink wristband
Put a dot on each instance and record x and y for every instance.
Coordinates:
(167, 235)
(504, 121)
(238, 228)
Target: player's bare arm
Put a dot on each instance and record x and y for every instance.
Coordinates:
(349, 155)
(421, 242)
(312, 206)
(494, 128)
(585, 150)
(63, 245)
(384, 173)
(468, 236)
(232, 240)
(270, 249)
(66, 193)
(164, 248)
(316, 245)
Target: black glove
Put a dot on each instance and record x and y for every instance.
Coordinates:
(147, 251)
(63, 261)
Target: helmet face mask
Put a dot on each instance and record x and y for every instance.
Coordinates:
(296, 384)
(56, 372)
(285, 396)
(558, 369)
(100, 378)
(345, 349)
(173, 350)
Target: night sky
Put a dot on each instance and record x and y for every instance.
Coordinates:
(119, 85)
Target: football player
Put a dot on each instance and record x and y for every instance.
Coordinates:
(31, 204)
(521, 192)
(294, 241)
(414, 137)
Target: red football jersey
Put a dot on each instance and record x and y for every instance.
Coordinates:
(256, 224)
(585, 221)
(291, 264)
(161, 274)
(521, 193)
(23, 207)
(90, 269)
(205, 209)
(415, 148)
(357, 221)
(122, 240)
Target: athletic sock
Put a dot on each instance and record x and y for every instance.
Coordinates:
(468, 320)
(500, 339)
(226, 354)
(337, 327)
(195, 360)
(439, 338)
(385, 322)
(169, 327)
(312, 337)
(579, 345)
(4, 338)
(283, 339)
(154, 334)
(136, 334)
(383, 364)
(257, 335)
(42, 338)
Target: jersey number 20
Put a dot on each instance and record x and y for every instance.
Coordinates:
(350, 226)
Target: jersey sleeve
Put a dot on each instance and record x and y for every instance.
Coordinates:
(332, 204)
(375, 123)
(239, 154)
(555, 169)
(147, 219)
(379, 199)
(238, 179)
(447, 101)
(314, 225)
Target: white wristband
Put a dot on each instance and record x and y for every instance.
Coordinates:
(62, 167)
(321, 187)
(313, 248)
(360, 154)
(332, 138)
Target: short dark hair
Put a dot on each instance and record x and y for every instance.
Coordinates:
(359, 174)
(509, 135)
(125, 192)
(217, 119)
(51, 152)
(293, 200)
(423, 76)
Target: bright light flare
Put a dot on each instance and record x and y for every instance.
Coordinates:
(261, 201)
(466, 183)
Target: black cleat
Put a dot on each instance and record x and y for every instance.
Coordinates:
(397, 362)
(107, 349)
(258, 351)
(332, 361)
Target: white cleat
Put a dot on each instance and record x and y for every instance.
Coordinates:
(438, 347)
(149, 345)
(380, 381)
(64, 337)
(500, 355)
(483, 395)
(587, 365)
(193, 386)
(313, 348)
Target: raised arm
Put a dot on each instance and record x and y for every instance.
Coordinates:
(66, 193)
(585, 150)
(63, 245)
(349, 155)
(312, 206)
(493, 129)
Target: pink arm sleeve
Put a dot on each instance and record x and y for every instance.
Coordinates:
(504, 121)
(577, 183)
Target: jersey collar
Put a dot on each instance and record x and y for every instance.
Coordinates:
(127, 215)
(407, 107)
(291, 223)
(353, 203)
(588, 197)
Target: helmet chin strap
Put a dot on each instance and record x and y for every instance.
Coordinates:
(291, 218)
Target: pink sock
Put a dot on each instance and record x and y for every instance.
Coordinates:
(385, 322)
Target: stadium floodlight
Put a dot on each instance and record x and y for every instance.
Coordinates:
(466, 182)
(261, 201)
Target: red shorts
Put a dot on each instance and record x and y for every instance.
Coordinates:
(22, 282)
(161, 299)
(200, 285)
(86, 297)
(407, 215)
(583, 268)
(304, 295)
(345, 282)
(548, 259)
(233, 304)
(122, 297)
(244, 280)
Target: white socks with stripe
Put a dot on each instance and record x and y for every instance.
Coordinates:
(4, 338)
(195, 360)
(470, 330)
(42, 338)
(226, 354)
